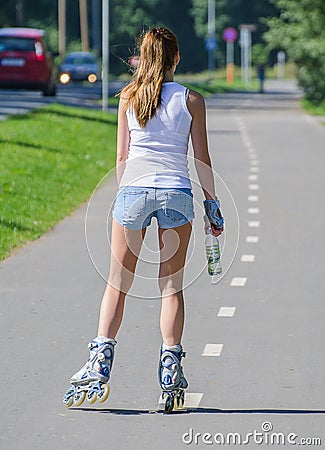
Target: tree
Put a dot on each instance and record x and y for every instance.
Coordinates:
(130, 17)
(300, 32)
(232, 13)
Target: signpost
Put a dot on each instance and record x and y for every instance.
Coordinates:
(211, 42)
(105, 52)
(230, 36)
(246, 51)
(62, 26)
(281, 64)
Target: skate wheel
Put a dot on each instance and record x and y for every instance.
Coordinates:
(91, 397)
(169, 405)
(68, 402)
(104, 393)
(181, 401)
(68, 397)
(79, 398)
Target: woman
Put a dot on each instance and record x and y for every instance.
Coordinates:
(155, 118)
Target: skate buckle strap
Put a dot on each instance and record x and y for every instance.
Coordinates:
(178, 355)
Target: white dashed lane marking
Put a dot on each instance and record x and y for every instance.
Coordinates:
(254, 223)
(254, 169)
(212, 350)
(253, 187)
(252, 239)
(253, 210)
(253, 177)
(254, 162)
(238, 281)
(226, 311)
(247, 258)
(192, 400)
(253, 198)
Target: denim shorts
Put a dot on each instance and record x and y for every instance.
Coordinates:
(135, 206)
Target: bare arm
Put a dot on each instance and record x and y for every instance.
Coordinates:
(123, 141)
(196, 106)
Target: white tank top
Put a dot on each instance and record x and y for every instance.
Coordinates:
(158, 153)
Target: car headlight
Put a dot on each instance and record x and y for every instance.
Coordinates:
(92, 78)
(64, 78)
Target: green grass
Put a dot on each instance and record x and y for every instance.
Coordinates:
(50, 160)
(208, 83)
(220, 86)
(312, 109)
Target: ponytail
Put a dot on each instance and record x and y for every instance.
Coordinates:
(158, 52)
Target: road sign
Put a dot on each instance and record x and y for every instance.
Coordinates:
(230, 35)
(211, 44)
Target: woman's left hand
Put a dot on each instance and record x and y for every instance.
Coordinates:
(216, 231)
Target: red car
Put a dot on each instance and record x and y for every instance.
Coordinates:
(25, 62)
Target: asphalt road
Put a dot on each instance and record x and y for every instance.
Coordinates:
(75, 94)
(254, 341)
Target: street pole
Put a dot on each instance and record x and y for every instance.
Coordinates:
(281, 64)
(62, 26)
(20, 17)
(95, 25)
(211, 33)
(230, 62)
(105, 53)
(84, 25)
(246, 51)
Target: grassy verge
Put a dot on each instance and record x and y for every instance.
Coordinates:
(312, 109)
(51, 160)
(208, 83)
(220, 86)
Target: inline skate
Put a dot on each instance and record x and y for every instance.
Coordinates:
(171, 377)
(91, 380)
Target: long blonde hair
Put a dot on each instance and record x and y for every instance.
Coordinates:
(158, 53)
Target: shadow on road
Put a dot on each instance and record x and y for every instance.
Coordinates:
(138, 412)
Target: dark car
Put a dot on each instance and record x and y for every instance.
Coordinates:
(25, 62)
(79, 66)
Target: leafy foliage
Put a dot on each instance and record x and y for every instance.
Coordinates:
(300, 31)
(128, 18)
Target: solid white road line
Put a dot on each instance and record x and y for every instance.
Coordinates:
(212, 350)
(252, 239)
(254, 223)
(238, 281)
(253, 210)
(253, 198)
(226, 311)
(247, 258)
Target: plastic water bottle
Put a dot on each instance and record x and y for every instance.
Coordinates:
(213, 254)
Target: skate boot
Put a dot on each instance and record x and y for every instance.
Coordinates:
(171, 377)
(91, 380)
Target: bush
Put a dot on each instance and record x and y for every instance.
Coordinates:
(300, 32)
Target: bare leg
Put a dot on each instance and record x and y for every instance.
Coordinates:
(173, 247)
(125, 248)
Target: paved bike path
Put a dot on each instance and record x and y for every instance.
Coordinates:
(268, 335)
